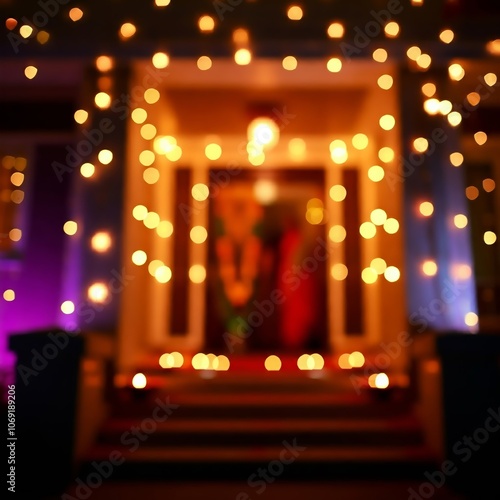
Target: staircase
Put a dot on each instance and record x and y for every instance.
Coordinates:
(228, 427)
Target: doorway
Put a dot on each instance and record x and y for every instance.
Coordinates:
(266, 272)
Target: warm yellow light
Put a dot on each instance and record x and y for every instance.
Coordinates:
(223, 363)
(105, 156)
(152, 220)
(480, 138)
(380, 381)
(30, 72)
(337, 233)
(166, 360)
(318, 362)
(471, 319)
(338, 192)
(424, 61)
(378, 216)
(387, 122)
(139, 115)
(432, 106)
(70, 227)
(461, 271)
(272, 363)
(489, 185)
(102, 100)
(147, 158)
(67, 307)
(241, 37)
(456, 72)
(392, 274)
(490, 79)
(356, 359)
(200, 192)
(380, 55)
(334, 65)
(163, 274)
(200, 361)
(369, 275)
(164, 144)
(257, 159)
(139, 257)
(104, 63)
(87, 170)
(473, 98)
(81, 116)
(445, 107)
(17, 196)
(101, 241)
(339, 271)
(17, 178)
(379, 265)
(490, 237)
(297, 148)
(446, 36)
(417, 3)
(385, 82)
(386, 154)
(289, 63)
(175, 154)
(198, 234)
(429, 268)
(456, 159)
(414, 53)
(75, 14)
(165, 229)
(15, 234)
(206, 24)
(42, 37)
(25, 31)
(265, 191)
(162, 3)
(9, 295)
(139, 212)
(242, 57)
(360, 141)
(151, 175)
(148, 131)
(376, 173)
(98, 293)
(336, 30)
(314, 215)
(295, 13)
(160, 60)
(429, 89)
(455, 118)
(493, 47)
(391, 226)
(472, 192)
(338, 151)
(344, 362)
(127, 30)
(392, 29)
(264, 133)
(426, 208)
(197, 273)
(302, 362)
(213, 151)
(204, 63)
(420, 144)
(139, 381)
(151, 96)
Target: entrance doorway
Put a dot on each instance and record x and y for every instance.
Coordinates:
(266, 272)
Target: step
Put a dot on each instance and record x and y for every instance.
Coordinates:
(312, 432)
